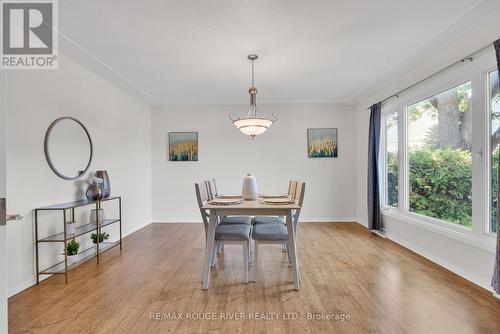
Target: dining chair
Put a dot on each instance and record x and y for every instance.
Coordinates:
(292, 188)
(277, 233)
(238, 234)
(225, 220)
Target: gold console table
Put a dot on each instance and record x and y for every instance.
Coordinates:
(62, 267)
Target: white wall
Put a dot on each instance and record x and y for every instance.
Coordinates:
(120, 128)
(274, 158)
(472, 262)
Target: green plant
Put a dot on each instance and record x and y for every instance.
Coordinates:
(72, 247)
(102, 236)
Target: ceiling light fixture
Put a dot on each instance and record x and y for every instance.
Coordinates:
(251, 124)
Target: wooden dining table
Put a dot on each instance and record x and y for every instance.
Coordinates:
(252, 208)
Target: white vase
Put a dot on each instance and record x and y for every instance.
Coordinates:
(250, 191)
(70, 228)
(93, 217)
(73, 258)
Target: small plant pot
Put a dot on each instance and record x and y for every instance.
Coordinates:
(100, 246)
(70, 228)
(74, 258)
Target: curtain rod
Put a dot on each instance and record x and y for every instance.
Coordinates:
(468, 58)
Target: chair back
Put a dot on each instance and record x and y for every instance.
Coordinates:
(211, 192)
(292, 188)
(202, 196)
(299, 196)
(214, 186)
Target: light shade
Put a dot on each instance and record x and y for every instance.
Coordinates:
(253, 126)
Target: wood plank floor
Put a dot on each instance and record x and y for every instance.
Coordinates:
(382, 287)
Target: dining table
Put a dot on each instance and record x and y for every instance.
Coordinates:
(252, 208)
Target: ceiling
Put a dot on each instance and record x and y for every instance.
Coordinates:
(168, 51)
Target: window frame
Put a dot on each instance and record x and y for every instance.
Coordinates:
(387, 110)
(477, 73)
(487, 156)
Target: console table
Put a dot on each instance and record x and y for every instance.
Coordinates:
(62, 267)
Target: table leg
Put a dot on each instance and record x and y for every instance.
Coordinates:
(209, 245)
(292, 248)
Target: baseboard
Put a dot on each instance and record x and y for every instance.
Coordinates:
(362, 222)
(305, 220)
(20, 287)
(327, 220)
(177, 221)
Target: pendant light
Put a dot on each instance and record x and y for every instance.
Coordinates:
(251, 124)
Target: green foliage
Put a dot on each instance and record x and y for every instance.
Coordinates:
(102, 236)
(430, 106)
(494, 189)
(392, 179)
(440, 183)
(72, 247)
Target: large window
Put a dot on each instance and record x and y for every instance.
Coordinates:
(392, 159)
(439, 142)
(494, 112)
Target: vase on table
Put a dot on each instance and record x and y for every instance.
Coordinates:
(106, 185)
(250, 191)
(94, 191)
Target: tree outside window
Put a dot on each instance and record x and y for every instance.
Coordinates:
(440, 156)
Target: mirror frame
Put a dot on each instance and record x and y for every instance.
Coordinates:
(47, 153)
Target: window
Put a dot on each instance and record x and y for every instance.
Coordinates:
(494, 114)
(392, 160)
(439, 142)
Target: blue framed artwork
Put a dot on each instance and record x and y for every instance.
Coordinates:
(322, 143)
(183, 146)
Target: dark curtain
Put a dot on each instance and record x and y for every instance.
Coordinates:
(495, 282)
(374, 216)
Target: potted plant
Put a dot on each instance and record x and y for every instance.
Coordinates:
(102, 236)
(72, 251)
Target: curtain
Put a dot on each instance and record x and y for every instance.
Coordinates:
(374, 216)
(495, 282)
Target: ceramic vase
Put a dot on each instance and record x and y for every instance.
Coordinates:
(250, 191)
(94, 192)
(105, 185)
(70, 228)
(93, 216)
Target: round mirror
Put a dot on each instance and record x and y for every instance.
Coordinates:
(68, 148)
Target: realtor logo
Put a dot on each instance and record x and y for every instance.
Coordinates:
(29, 34)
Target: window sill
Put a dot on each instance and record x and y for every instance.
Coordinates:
(486, 242)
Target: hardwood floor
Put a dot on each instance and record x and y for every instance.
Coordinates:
(382, 287)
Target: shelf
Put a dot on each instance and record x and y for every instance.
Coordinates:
(86, 255)
(80, 230)
(83, 230)
(75, 204)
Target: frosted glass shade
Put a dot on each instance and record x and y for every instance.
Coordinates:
(253, 126)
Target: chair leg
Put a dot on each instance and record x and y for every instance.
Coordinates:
(214, 252)
(288, 253)
(250, 252)
(219, 248)
(256, 258)
(245, 260)
(283, 248)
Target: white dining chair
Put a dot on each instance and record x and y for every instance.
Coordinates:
(238, 234)
(225, 220)
(292, 188)
(277, 233)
